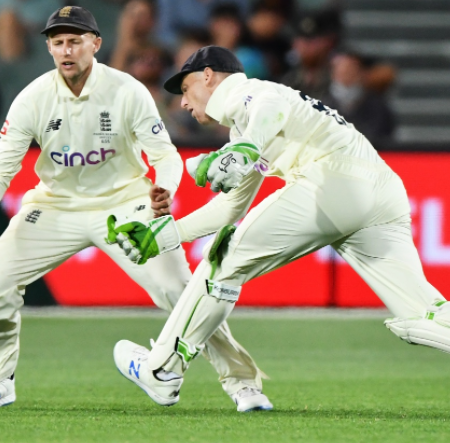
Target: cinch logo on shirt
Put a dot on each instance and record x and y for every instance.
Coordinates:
(77, 158)
(158, 127)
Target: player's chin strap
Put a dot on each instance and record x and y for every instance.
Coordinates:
(202, 308)
(141, 241)
(433, 329)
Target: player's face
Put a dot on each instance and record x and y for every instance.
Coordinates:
(73, 52)
(196, 94)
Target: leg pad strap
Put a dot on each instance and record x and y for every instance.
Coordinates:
(433, 329)
(187, 351)
(222, 291)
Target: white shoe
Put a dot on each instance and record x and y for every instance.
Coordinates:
(131, 361)
(250, 399)
(7, 391)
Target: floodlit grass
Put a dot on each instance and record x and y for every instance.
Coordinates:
(331, 381)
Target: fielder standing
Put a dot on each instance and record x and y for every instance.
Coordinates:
(92, 124)
(338, 192)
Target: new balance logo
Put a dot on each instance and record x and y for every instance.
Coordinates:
(53, 125)
(33, 216)
(135, 370)
(139, 208)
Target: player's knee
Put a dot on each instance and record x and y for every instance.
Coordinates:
(11, 300)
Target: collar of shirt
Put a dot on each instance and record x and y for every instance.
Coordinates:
(64, 91)
(215, 107)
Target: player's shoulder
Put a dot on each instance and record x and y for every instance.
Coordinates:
(39, 87)
(255, 85)
(251, 89)
(119, 78)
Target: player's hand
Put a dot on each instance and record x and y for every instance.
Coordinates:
(227, 171)
(224, 168)
(141, 241)
(161, 201)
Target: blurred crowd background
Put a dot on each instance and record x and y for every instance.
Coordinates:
(383, 64)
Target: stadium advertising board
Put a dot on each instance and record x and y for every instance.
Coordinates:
(90, 278)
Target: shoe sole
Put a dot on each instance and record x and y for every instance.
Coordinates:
(153, 395)
(258, 408)
(162, 401)
(9, 400)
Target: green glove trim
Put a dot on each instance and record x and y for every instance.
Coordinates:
(247, 149)
(201, 175)
(149, 248)
(110, 224)
(139, 235)
(124, 229)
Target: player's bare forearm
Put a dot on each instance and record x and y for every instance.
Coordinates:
(161, 201)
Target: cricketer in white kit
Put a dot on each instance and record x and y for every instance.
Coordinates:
(338, 192)
(92, 124)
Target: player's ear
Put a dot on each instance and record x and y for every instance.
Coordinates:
(97, 44)
(49, 45)
(208, 75)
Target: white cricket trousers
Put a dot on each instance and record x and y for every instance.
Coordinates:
(358, 207)
(350, 200)
(32, 246)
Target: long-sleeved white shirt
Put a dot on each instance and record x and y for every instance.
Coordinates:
(291, 130)
(91, 145)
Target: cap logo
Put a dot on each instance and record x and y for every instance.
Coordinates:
(65, 12)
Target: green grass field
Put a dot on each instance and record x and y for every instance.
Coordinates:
(331, 381)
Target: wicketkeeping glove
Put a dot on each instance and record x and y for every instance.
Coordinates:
(224, 168)
(141, 241)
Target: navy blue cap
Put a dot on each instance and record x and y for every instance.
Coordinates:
(215, 57)
(73, 16)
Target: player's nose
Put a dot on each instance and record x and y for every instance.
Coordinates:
(67, 49)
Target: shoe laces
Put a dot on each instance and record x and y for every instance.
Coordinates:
(247, 392)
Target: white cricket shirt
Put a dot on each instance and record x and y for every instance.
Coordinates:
(91, 145)
(291, 131)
